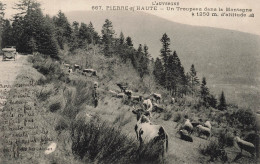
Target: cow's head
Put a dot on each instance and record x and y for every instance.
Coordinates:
(140, 112)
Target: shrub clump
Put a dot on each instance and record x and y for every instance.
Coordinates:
(215, 150)
(55, 106)
(98, 142)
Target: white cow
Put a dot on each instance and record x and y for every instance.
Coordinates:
(148, 105)
(147, 132)
(187, 126)
(203, 130)
(207, 124)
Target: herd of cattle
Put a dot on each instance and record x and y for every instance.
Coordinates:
(78, 68)
(146, 131)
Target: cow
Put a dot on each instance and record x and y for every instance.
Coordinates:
(187, 126)
(244, 145)
(184, 135)
(157, 97)
(207, 124)
(137, 98)
(122, 87)
(148, 105)
(128, 93)
(91, 71)
(76, 66)
(70, 70)
(120, 95)
(147, 132)
(203, 130)
(66, 65)
(113, 93)
(157, 108)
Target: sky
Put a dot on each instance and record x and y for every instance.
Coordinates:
(248, 24)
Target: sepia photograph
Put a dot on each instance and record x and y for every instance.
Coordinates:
(129, 81)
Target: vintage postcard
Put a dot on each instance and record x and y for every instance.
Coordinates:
(129, 81)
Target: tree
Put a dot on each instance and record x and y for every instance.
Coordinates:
(204, 92)
(74, 42)
(84, 35)
(94, 35)
(165, 51)
(2, 14)
(30, 23)
(63, 29)
(158, 72)
(25, 7)
(212, 101)
(194, 81)
(7, 34)
(129, 41)
(143, 61)
(121, 38)
(107, 36)
(222, 102)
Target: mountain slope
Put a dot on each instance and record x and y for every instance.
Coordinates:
(224, 57)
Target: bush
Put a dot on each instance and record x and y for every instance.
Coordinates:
(225, 138)
(98, 142)
(215, 151)
(49, 67)
(55, 106)
(178, 117)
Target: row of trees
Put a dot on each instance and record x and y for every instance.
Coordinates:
(30, 30)
(169, 73)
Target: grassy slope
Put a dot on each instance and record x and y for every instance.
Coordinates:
(118, 113)
(226, 58)
(114, 110)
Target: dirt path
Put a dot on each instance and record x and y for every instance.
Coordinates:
(9, 69)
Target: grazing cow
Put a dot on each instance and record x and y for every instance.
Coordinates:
(158, 108)
(122, 87)
(76, 66)
(147, 132)
(184, 135)
(195, 124)
(120, 95)
(137, 98)
(203, 130)
(207, 124)
(157, 97)
(148, 105)
(128, 93)
(187, 126)
(66, 65)
(114, 93)
(244, 145)
(92, 71)
(70, 70)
